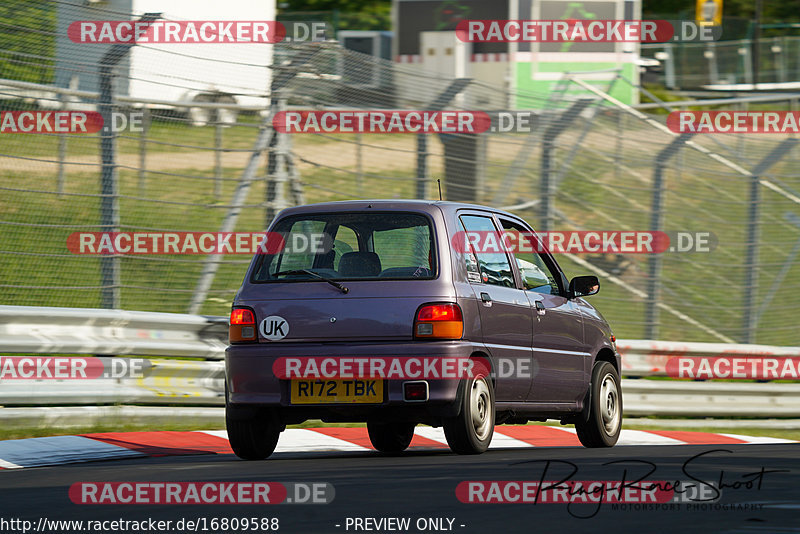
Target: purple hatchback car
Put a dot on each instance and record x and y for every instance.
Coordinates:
(398, 313)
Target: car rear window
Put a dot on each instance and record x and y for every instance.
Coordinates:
(351, 246)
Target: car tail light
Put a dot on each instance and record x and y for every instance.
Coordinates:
(439, 321)
(242, 325)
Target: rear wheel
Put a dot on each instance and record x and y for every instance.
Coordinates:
(390, 437)
(252, 433)
(604, 422)
(471, 431)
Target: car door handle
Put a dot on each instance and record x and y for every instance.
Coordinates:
(540, 309)
(486, 299)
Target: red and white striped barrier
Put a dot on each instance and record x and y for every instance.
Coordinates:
(56, 450)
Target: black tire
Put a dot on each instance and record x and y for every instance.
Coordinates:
(604, 422)
(390, 437)
(471, 431)
(253, 434)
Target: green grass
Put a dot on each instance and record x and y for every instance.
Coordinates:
(594, 194)
(782, 433)
(23, 431)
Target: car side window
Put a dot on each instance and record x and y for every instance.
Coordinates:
(493, 264)
(535, 273)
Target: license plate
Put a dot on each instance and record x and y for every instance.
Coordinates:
(336, 391)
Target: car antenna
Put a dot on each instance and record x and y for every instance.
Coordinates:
(438, 181)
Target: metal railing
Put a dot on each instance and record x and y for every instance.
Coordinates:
(45, 330)
(201, 383)
(726, 62)
(645, 358)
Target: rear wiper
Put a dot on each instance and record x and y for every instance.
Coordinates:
(334, 283)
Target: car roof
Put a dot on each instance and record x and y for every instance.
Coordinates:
(427, 206)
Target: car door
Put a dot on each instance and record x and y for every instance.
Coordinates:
(505, 310)
(560, 360)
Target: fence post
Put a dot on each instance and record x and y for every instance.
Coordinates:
(278, 176)
(422, 166)
(750, 319)
(778, 49)
(359, 165)
(217, 154)
(109, 186)
(756, 43)
(747, 64)
(710, 54)
(143, 150)
(443, 99)
(657, 225)
(62, 152)
(548, 178)
(741, 155)
(669, 67)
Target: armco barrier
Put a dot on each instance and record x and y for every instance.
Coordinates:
(189, 383)
(681, 398)
(642, 357)
(111, 332)
(200, 383)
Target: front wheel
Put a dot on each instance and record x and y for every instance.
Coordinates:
(471, 431)
(390, 437)
(604, 422)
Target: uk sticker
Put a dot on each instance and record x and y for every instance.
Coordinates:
(274, 328)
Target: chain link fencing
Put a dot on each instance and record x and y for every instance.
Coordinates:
(695, 65)
(208, 161)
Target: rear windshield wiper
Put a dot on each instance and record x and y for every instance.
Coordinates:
(334, 283)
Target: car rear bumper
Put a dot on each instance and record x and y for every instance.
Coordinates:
(251, 381)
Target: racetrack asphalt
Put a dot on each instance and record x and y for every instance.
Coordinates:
(422, 484)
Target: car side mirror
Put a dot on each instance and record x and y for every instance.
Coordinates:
(583, 286)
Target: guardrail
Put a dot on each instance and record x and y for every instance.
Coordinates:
(642, 357)
(45, 330)
(186, 383)
(201, 383)
(51, 96)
